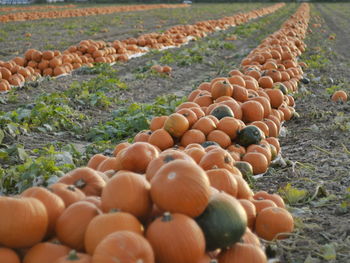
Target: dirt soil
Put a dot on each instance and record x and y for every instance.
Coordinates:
(216, 62)
(316, 148)
(59, 34)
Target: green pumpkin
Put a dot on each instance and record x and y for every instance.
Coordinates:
(223, 222)
(222, 111)
(249, 135)
(209, 143)
(246, 169)
(281, 87)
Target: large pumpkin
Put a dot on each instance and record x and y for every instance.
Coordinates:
(223, 222)
(23, 222)
(105, 224)
(129, 192)
(85, 179)
(181, 187)
(72, 224)
(54, 205)
(123, 246)
(176, 238)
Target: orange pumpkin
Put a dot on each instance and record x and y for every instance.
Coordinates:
(69, 193)
(246, 253)
(8, 255)
(181, 187)
(72, 224)
(176, 124)
(176, 238)
(129, 192)
(105, 224)
(123, 246)
(25, 222)
(45, 252)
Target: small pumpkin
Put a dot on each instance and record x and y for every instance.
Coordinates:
(8, 255)
(69, 193)
(105, 224)
(45, 252)
(54, 205)
(176, 124)
(249, 135)
(222, 111)
(72, 224)
(223, 222)
(129, 192)
(85, 179)
(23, 223)
(123, 246)
(181, 187)
(176, 238)
(241, 252)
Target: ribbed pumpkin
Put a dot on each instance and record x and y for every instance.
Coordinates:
(54, 205)
(8, 255)
(74, 257)
(105, 224)
(176, 124)
(85, 179)
(246, 253)
(250, 238)
(45, 252)
(223, 222)
(72, 224)
(137, 156)
(128, 192)
(223, 180)
(176, 238)
(23, 222)
(164, 158)
(181, 187)
(123, 246)
(69, 193)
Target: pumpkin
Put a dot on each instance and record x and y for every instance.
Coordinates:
(223, 180)
(164, 158)
(250, 210)
(105, 224)
(129, 192)
(69, 193)
(96, 200)
(8, 255)
(245, 168)
(54, 205)
(223, 222)
(176, 124)
(23, 223)
(74, 257)
(221, 88)
(249, 135)
(181, 187)
(222, 111)
(217, 158)
(85, 179)
(246, 253)
(45, 252)
(272, 221)
(72, 224)
(277, 199)
(123, 246)
(137, 156)
(176, 238)
(250, 238)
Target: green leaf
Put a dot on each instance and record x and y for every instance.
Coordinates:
(22, 154)
(328, 252)
(2, 136)
(293, 195)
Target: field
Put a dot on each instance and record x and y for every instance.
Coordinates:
(52, 125)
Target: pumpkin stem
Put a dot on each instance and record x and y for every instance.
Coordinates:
(73, 255)
(166, 217)
(71, 188)
(115, 210)
(168, 158)
(80, 183)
